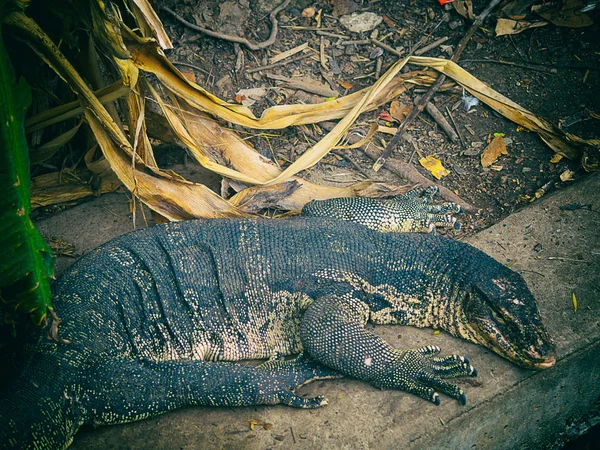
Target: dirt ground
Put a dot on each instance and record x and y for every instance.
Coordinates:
(555, 76)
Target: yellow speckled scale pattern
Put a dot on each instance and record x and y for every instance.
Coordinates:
(406, 213)
(156, 320)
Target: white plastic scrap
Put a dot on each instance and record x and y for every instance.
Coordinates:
(469, 101)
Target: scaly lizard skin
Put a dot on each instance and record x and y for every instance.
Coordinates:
(406, 213)
(156, 319)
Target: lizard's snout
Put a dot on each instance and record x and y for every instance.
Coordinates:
(545, 364)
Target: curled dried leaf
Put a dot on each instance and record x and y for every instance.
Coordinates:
(399, 111)
(493, 151)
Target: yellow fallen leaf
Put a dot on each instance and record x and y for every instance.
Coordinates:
(434, 165)
(150, 23)
(261, 423)
(567, 175)
(308, 12)
(556, 158)
(47, 150)
(574, 299)
(493, 151)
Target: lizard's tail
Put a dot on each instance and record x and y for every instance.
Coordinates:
(35, 414)
(134, 390)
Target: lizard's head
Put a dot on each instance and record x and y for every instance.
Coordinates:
(501, 314)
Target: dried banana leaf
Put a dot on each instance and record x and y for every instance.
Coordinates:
(556, 139)
(73, 109)
(47, 150)
(56, 187)
(259, 181)
(149, 22)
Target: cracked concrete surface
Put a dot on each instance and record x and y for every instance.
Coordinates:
(558, 253)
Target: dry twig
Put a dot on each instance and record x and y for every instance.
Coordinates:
(239, 40)
(280, 63)
(392, 50)
(511, 63)
(462, 141)
(407, 171)
(420, 106)
(439, 118)
(431, 46)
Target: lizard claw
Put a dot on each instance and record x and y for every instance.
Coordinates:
(291, 399)
(422, 374)
(408, 212)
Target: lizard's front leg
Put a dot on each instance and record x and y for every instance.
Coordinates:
(333, 333)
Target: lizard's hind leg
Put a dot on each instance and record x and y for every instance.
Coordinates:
(124, 391)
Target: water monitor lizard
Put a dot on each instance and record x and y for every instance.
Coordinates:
(157, 318)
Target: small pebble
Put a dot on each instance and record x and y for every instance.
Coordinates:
(455, 24)
(376, 53)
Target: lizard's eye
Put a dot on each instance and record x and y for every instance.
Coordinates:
(498, 317)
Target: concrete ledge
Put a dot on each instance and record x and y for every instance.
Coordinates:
(507, 407)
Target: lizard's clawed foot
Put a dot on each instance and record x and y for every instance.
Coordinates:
(408, 212)
(291, 399)
(288, 375)
(427, 216)
(421, 373)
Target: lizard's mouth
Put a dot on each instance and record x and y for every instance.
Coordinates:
(506, 320)
(545, 364)
(536, 352)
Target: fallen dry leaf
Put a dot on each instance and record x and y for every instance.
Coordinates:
(399, 111)
(254, 422)
(385, 116)
(189, 76)
(564, 14)
(508, 26)
(493, 151)
(150, 23)
(464, 8)
(389, 22)
(249, 97)
(308, 12)
(435, 166)
(567, 175)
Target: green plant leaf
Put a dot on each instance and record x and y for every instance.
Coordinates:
(26, 261)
